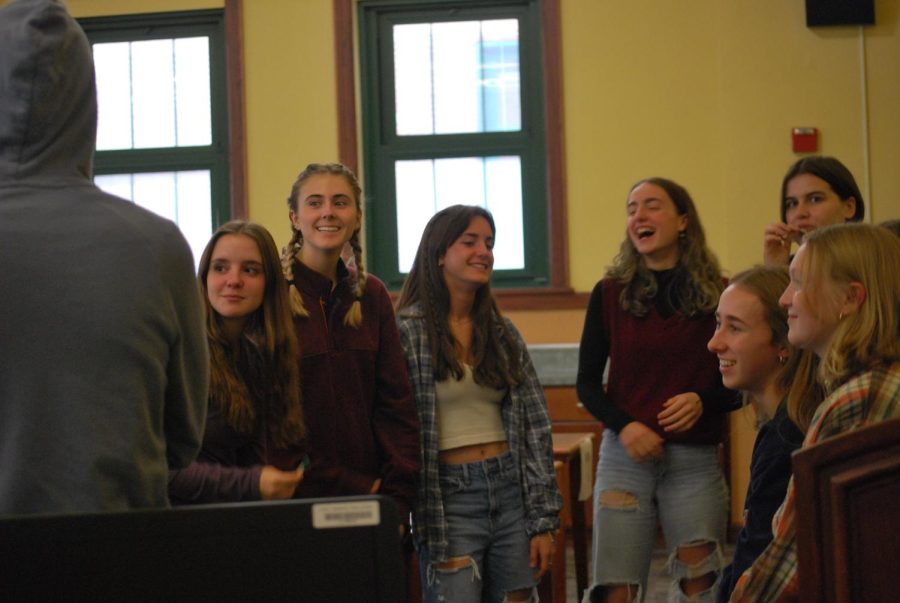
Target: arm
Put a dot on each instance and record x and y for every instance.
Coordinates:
(202, 482)
(542, 497)
(592, 356)
(682, 412)
(230, 468)
(543, 500)
(395, 421)
(188, 367)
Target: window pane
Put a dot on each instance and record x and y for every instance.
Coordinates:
(456, 58)
(413, 79)
(153, 93)
(426, 186)
(502, 111)
(457, 77)
(192, 102)
(153, 99)
(112, 62)
(183, 197)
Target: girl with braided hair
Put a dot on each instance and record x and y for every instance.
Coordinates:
(362, 430)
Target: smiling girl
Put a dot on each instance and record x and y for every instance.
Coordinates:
(363, 435)
(816, 191)
(651, 317)
(843, 304)
(254, 393)
(488, 499)
(755, 357)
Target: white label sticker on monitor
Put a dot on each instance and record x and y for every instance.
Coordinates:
(346, 514)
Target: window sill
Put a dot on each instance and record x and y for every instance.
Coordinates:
(551, 298)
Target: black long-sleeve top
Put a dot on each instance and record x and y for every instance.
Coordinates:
(770, 472)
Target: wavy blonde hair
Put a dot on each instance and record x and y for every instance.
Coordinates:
(698, 282)
(263, 366)
(835, 257)
(289, 253)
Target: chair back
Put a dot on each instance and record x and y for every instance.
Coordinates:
(847, 517)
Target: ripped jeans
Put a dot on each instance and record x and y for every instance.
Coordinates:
(486, 524)
(684, 492)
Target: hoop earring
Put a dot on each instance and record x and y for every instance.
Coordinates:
(841, 316)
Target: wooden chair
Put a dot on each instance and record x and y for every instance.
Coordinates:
(848, 516)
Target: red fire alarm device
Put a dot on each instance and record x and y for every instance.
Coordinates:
(805, 140)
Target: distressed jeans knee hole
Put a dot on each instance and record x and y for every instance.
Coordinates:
(618, 499)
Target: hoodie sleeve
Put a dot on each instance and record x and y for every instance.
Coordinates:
(188, 368)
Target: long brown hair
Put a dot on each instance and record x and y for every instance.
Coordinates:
(698, 281)
(353, 317)
(497, 360)
(263, 368)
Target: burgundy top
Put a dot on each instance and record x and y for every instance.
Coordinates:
(360, 414)
(652, 358)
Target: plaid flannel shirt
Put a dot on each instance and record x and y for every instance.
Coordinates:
(525, 420)
(773, 576)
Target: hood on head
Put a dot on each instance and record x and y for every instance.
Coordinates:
(48, 99)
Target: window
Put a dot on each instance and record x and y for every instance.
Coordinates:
(162, 133)
(453, 112)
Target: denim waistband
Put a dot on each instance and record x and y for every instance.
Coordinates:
(494, 465)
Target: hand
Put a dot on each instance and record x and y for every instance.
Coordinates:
(777, 243)
(680, 412)
(641, 443)
(542, 546)
(275, 484)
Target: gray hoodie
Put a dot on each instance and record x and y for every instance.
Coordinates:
(103, 358)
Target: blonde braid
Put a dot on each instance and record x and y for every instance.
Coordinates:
(288, 257)
(353, 317)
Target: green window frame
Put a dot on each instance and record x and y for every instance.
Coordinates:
(382, 147)
(213, 157)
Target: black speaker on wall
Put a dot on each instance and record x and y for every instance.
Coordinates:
(840, 12)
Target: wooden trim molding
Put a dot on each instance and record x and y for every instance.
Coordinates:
(237, 128)
(557, 214)
(559, 295)
(346, 84)
(550, 298)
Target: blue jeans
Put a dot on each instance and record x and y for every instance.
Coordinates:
(486, 525)
(684, 492)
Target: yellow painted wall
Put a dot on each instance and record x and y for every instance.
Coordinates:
(704, 92)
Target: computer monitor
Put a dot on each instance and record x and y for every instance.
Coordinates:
(335, 549)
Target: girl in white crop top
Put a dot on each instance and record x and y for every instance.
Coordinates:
(488, 500)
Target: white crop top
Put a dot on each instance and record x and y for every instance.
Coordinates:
(468, 413)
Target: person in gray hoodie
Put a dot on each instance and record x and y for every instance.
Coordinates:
(103, 359)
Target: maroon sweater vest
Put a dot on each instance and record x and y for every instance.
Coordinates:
(654, 358)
